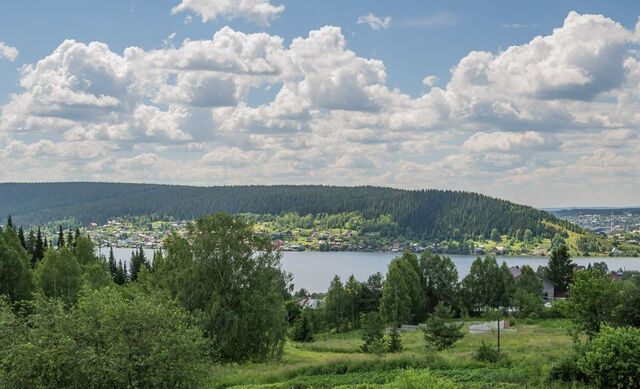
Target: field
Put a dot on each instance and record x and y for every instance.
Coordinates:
(334, 359)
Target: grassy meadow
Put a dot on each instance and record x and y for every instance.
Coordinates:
(334, 360)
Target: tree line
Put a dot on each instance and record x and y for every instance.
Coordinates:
(424, 214)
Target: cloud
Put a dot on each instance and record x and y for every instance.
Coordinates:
(8, 52)
(509, 142)
(557, 110)
(375, 22)
(260, 12)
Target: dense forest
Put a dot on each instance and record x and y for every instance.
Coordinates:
(422, 213)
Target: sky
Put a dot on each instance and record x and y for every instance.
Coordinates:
(537, 103)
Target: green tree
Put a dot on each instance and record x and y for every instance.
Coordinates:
(528, 236)
(138, 261)
(395, 304)
(395, 340)
(560, 268)
(628, 311)
(438, 334)
(495, 235)
(592, 300)
(231, 280)
(60, 237)
(113, 266)
(373, 334)
(372, 292)
(39, 249)
(301, 330)
(353, 294)
(16, 280)
(59, 275)
(335, 306)
(487, 284)
(440, 280)
(557, 241)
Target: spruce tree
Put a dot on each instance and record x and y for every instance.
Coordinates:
(9, 223)
(31, 242)
(23, 242)
(70, 240)
(38, 252)
(113, 267)
(395, 340)
(560, 268)
(60, 237)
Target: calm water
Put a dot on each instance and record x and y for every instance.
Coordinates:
(313, 270)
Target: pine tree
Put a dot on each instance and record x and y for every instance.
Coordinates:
(395, 340)
(23, 242)
(9, 223)
(335, 304)
(373, 334)
(38, 252)
(31, 243)
(60, 237)
(70, 240)
(113, 267)
(560, 268)
(138, 261)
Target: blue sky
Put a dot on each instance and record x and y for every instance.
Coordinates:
(345, 105)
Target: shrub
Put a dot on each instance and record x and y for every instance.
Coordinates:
(567, 369)
(612, 358)
(107, 340)
(486, 353)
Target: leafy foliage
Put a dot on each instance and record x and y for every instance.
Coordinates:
(110, 339)
(592, 301)
(231, 280)
(612, 358)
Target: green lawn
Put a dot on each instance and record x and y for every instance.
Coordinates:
(334, 359)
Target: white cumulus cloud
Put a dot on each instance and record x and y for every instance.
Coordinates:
(260, 12)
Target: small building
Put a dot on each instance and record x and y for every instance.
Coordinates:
(548, 287)
(310, 303)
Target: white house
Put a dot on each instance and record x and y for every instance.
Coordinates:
(548, 287)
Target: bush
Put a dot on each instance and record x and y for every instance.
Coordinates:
(486, 353)
(567, 370)
(107, 340)
(612, 359)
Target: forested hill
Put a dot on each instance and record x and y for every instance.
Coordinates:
(426, 213)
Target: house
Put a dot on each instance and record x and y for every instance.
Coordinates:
(548, 287)
(310, 303)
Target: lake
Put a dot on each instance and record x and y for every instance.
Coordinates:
(313, 270)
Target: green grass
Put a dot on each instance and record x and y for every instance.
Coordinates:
(334, 359)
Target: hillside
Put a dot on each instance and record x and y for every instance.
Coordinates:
(425, 213)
